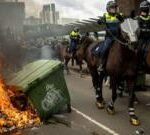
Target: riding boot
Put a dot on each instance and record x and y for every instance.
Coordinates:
(102, 65)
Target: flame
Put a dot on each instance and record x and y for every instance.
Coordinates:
(11, 117)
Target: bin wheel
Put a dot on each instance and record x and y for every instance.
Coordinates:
(69, 110)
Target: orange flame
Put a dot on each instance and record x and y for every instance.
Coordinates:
(11, 117)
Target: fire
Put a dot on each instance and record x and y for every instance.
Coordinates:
(12, 117)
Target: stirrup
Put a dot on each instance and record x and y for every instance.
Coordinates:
(100, 68)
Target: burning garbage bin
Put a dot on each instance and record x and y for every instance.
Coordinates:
(43, 82)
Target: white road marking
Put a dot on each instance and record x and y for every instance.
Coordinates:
(95, 122)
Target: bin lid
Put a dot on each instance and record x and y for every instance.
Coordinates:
(34, 71)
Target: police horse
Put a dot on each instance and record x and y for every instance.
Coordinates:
(121, 64)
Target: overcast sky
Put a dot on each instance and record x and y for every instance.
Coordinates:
(76, 8)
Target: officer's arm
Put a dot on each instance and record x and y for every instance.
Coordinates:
(120, 17)
(101, 20)
(79, 36)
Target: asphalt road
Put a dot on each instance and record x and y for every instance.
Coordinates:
(86, 119)
(83, 99)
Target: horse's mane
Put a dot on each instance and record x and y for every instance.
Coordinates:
(87, 41)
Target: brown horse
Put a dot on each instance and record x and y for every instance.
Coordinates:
(64, 55)
(121, 64)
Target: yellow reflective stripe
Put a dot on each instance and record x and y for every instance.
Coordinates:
(74, 34)
(110, 18)
(145, 18)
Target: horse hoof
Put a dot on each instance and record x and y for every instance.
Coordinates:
(136, 101)
(134, 121)
(100, 105)
(110, 110)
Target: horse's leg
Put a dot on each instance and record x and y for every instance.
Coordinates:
(72, 59)
(110, 107)
(66, 65)
(120, 88)
(101, 78)
(81, 69)
(107, 81)
(97, 83)
(133, 118)
(136, 100)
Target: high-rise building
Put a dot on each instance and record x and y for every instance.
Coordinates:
(32, 8)
(53, 13)
(46, 13)
(49, 14)
(57, 17)
(12, 16)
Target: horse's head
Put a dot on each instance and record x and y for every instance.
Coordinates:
(83, 38)
(129, 31)
(86, 40)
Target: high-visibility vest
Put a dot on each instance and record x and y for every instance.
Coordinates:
(112, 22)
(145, 18)
(74, 34)
(144, 23)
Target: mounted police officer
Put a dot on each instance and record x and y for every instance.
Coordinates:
(74, 38)
(112, 20)
(144, 23)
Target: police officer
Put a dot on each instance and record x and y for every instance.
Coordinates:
(74, 38)
(111, 19)
(144, 23)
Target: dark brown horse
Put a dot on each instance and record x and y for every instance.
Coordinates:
(147, 59)
(121, 64)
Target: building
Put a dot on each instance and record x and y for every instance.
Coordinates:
(53, 13)
(45, 14)
(57, 17)
(32, 8)
(12, 16)
(64, 21)
(49, 15)
(32, 21)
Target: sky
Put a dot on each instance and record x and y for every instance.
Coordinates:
(71, 8)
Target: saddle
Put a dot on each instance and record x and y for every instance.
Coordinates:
(97, 50)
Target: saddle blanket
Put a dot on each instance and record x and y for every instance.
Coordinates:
(98, 49)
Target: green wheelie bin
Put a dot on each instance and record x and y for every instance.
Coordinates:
(43, 82)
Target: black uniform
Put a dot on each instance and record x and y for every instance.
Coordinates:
(144, 35)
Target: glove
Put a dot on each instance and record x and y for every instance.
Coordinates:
(120, 17)
(101, 21)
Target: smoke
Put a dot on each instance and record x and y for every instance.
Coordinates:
(47, 52)
(14, 55)
(32, 7)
